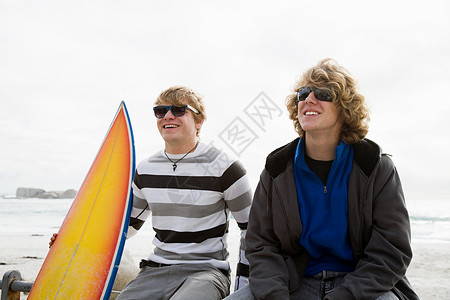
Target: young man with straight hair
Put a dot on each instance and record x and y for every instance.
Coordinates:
(189, 189)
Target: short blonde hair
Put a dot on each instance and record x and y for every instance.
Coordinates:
(329, 75)
(181, 95)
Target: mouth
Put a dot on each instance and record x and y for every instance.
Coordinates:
(311, 113)
(170, 126)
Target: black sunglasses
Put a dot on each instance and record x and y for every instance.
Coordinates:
(178, 111)
(322, 95)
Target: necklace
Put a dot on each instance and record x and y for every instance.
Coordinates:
(174, 163)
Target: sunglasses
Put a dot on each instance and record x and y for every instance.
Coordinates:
(178, 111)
(322, 95)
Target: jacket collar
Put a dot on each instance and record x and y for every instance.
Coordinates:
(366, 154)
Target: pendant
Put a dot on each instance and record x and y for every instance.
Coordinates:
(174, 167)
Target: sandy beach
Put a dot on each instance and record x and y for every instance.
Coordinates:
(428, 272)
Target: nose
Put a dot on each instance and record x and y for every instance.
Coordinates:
(169, 115)
(311, 98)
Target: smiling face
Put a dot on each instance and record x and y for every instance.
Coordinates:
(319, 117)
(179, 133)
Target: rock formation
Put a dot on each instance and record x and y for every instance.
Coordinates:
(24, 192)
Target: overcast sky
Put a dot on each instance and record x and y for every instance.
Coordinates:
(65, 67)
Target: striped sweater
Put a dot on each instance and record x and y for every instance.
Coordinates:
(191, 206)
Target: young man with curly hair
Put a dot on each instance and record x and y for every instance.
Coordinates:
(328, 219)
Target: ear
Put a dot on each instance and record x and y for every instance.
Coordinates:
(199, 124)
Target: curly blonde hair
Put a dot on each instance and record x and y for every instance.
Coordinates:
(330, 76)
(181, 95)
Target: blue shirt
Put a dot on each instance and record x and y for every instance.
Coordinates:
(324, 212)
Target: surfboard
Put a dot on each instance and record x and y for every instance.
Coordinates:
(83, 261)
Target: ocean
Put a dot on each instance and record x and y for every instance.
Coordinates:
(430, 219)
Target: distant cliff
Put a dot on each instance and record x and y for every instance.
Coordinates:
(25, 192)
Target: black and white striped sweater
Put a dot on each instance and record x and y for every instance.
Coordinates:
(191, 206)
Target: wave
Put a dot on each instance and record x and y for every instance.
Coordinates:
(430, 219)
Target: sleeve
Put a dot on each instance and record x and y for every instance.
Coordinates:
(387, 250)
(269, 277)
(140, 210)
(238, 196)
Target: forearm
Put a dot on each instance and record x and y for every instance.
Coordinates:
(139, 212)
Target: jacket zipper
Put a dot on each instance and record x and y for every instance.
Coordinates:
(324, 189)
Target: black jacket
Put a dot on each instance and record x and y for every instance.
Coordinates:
(379, 229)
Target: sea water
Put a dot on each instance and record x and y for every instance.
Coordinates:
(32, 216)
(430, 219)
